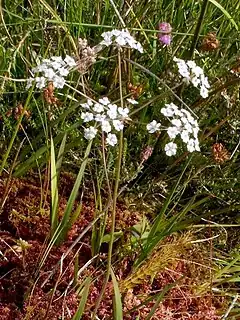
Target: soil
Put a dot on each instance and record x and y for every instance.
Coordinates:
(29, 292)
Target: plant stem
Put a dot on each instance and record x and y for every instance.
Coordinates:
(198, 28)
(15, 132)
(115, 195)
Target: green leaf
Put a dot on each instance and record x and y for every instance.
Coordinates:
(116, 235)
(117, 305)
(65, 224)
(60, 154)
(54, 191)
(81, 307)
(224, 11)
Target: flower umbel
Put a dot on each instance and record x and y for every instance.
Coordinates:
(107, 116)
(52, 70)
(182, 124)
(120, 38)
(192, 73)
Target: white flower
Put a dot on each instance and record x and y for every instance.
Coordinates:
(111, 139)
(184, 120)
(153, 126)
(49, 73)
(191, 145)
(120, 38)
(185, 136)
(106, 127)
(176, 122)
(178, 113)
(57, 59)
(70, 61)
(193, 73)
(112, 111)
(89, 102)
(87, 116)
(167, 112)
(98, 107)
(187, 113)
(172, 106)
(195, 81)
(41, 68)
(188, 127)
(132, 101)
(29, 83)
(56, 65)
(204, 81)
(204, 92)
(138, 47)
(63, 72)
(58, 82)
(85, 105)
(118, 125)
(40, 82)
(197, 147)
(197, 71)
(173, 132)
(123, 112)
(100, 117)
(115, 32)
(90, 133)
(54, 70)
(183, 70)
(107, 41)
(105, 101)
(107, 38)
(191, 64)
(170, 149)
(195, 132)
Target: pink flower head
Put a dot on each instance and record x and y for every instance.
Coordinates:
(165, 39)
(164, 36)
(165, 27)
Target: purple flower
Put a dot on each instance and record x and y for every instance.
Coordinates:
(165, 27)
(165, 39)
(164, 36)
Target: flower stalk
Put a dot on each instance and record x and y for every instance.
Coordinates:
(114, 204)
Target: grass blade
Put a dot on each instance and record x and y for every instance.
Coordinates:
(65, 224)
(60, 154)
(118, 313)
(54, 191)
(83, 301)
(224, 11)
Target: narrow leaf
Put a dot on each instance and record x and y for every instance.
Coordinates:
(54, 191)
(118, 313)
(224, 11)
(81, 307)
(60, 154)
(65, 223)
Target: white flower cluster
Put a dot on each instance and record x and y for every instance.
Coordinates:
(183, 124)
(193, 73)
(52, 70)
(106, 115)
(120, 38)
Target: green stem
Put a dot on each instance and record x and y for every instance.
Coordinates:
(115, 195)
(15, 132)
(198, 28)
